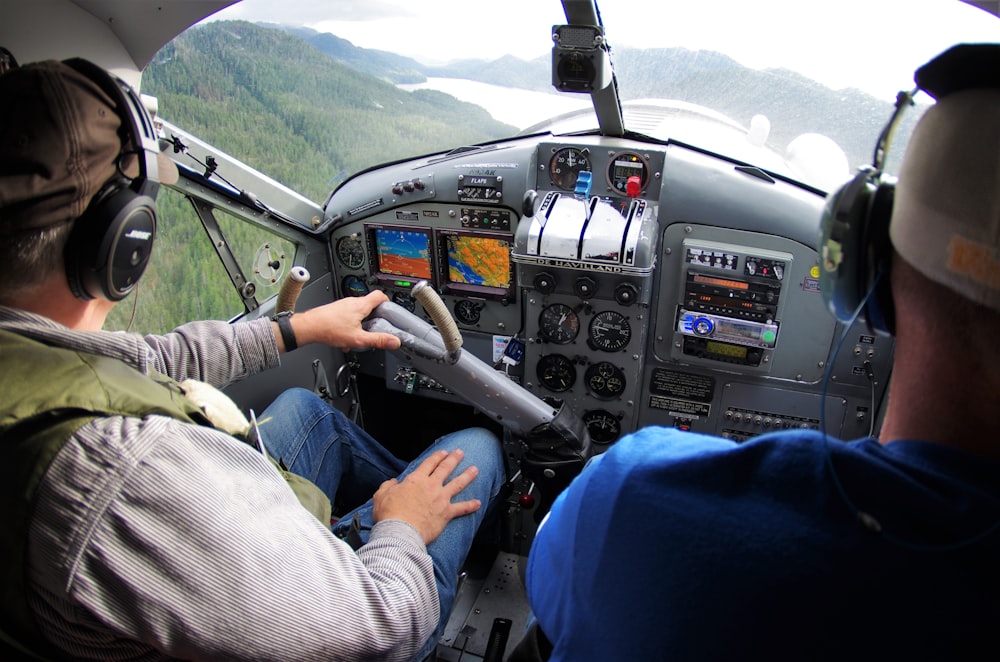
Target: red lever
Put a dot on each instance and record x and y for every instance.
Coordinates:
(633, 186)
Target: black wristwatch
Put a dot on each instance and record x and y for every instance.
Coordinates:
(284, 320)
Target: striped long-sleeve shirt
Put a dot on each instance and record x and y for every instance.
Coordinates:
(154, 539)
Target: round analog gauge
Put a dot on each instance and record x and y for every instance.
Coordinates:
(624, 167)
(566, 164)
(351, 252)
(354, 286)
(467, 311)
(605, 380)
(558, 323)
(609, 331)
(603, 426)
(556, 372)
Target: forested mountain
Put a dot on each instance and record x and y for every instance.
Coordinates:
(793, 103)
(310, 109)
(286, 109)
(394, 68)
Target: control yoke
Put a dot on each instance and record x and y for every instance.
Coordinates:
(558, 442)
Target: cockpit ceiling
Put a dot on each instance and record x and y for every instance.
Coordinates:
(145, 26)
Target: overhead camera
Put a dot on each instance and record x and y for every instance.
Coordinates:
(580, 58)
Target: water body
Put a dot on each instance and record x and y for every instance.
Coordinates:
(811, 158)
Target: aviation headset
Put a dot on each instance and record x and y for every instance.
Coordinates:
(111, 242)
(854, 240)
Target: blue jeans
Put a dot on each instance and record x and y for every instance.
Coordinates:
(318, 442)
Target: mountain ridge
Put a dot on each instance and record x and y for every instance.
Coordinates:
(793, 103)
(311, 107)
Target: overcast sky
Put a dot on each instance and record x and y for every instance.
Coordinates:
(871, 44)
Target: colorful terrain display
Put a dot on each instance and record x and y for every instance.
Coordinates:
(479, 261)
(403, 253)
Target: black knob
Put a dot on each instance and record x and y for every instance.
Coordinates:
(584, 287)
(544, 282)
(626, 294)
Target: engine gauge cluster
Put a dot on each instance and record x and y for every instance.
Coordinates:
(605, 380)
(579, 335)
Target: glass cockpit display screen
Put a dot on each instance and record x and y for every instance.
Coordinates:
(478, 260)
(402, 252)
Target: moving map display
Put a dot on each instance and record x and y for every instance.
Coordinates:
(478, 260)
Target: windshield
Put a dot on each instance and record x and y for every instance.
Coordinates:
(802, 89)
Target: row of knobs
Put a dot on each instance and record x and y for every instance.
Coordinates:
(585, 286)
(408, 187)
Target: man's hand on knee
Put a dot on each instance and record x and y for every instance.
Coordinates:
(424, 498)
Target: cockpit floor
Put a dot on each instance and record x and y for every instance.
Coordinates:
(485, 608)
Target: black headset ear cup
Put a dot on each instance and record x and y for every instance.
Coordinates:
(109, 247)
(111, 243)
(879, 312)
(840, 244)
(855, 249)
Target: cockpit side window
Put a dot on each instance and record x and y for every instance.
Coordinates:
(187, 277)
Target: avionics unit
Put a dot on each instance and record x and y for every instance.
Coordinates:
(400, 255)
(729, 308)
(475, 264)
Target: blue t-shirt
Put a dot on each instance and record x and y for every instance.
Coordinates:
(681, 546)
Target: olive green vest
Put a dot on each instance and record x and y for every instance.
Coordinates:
(46, 394)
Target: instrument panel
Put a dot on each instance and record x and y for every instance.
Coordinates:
(626, 172)
(640, 284)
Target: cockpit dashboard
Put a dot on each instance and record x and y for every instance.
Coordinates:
(639, 283)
